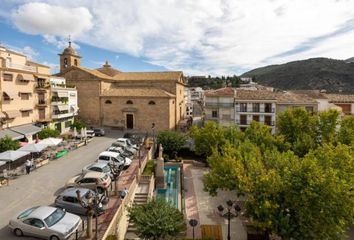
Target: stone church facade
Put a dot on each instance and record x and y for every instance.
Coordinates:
(127, 100)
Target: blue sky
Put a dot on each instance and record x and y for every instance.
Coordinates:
(216, 37)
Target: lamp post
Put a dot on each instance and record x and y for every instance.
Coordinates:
(193, 223)
(232, 211)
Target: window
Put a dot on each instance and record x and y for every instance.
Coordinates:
(25, 113)
(256, 118)
(70, 199)
(255, 107)
(34, 222)
(67, 124)
(268, 107)
(214, 113)
(75, 62)
(8, 77)
(65, 62)
(24, 96)
(243, 107)
(152, 103)
(309, 109)
(129, 102)
(268, 120)
(243, 119)
(108, 102)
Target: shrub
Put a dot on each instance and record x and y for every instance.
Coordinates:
(171, 141)
(6, 143)
(48, 132)
(78, 124)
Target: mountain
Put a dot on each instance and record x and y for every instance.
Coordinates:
(315, 73)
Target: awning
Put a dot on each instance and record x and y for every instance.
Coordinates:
(25, 77)
(51, 141)
(10, 155)
(26, 93)
(2, 115)
(27, 129)
(63, 107)
(2, 163)
(11, 134)
(26, 109)
(33, 147)
(12, 113)
(63, 94)
(10, 94)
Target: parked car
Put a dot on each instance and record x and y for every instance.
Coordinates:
(45, 222)
(134, 137)
(68, 200)
(99, 131)
(127, 143)
(125, 147)
(121, 151)
(98, 167)
(90, 133)
(114, 158)
(90, 180)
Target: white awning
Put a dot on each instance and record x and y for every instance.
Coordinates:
(33, 147)
(51, 141)
(11, 134)
(63, 94)
(27, 129)
(10, 94)
(10, 155)
(25, 77)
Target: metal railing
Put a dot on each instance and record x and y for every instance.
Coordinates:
(225, 105)
(238, 109)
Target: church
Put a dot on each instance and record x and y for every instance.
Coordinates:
(108, 97)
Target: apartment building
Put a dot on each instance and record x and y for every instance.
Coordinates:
(25, 94)
(255, 105)
(220, 106)
(295, 99)
(344, 101)
(63, 104)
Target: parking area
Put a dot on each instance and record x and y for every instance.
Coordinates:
(42, 185)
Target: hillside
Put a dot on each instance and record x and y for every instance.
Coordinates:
(316, 73)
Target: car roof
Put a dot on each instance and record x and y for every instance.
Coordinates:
(92, 174)
(97, 164)
(71, 192)
(42, 212)
(122, 139)
(110, 154)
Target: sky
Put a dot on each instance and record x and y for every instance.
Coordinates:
(199, 37)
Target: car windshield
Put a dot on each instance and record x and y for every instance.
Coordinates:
(55, 217)
(106, 169)
(26, 213)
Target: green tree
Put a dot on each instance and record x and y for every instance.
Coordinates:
(6, 143)
(346, 131)
(171, 141)
(299, 129)
(294, 197)
(78, 124)
(328, 122)
(47, 133)
(157, 220)
(208, 137)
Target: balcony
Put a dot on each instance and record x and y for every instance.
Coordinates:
(219, 105)
(64, 114)
(242, 110)
(246, 123)
(42, 86)
(67, 86)
(21, 67)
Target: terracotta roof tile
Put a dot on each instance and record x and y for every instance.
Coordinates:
(131, 76)
(227, 91)
(290, 98)
(255, 95)
(136, 92)
(340, 98)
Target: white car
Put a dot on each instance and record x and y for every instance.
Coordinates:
(45, 222)
(114, 158)
(127, 143)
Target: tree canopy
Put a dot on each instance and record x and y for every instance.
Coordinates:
(171, 141)
(299, 183)
(47, 133)
(6, 143)
(157, 220)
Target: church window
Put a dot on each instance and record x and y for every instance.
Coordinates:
(108, 102)
(65, 62)
(152, 103)
(129, 102)
(75, 62)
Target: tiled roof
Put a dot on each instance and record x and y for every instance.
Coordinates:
(242, 94)
(136, 92)
(227, 91)
(94, 72)
(316, 94)
(108, 70)
(131, 76)
(290, 98)
(341, 98)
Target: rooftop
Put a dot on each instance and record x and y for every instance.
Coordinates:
(136, 92)
(290, 97)
(226, 91)
(243, 94)
(340, 98)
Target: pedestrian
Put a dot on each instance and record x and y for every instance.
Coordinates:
(28, 165)
(6, 176)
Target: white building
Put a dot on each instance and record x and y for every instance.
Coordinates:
(255, 105)
(64, 104)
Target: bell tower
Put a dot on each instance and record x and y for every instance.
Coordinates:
(69, 57)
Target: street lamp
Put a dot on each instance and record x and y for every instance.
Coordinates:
(229, 214)
(193, 223)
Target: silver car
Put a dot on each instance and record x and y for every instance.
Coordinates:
(98, 167)
(45, 222)
(68, 200)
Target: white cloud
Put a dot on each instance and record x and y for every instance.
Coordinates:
(199, 36)
(59, 42)
(54, 67)
(42, 18)
(26, 50)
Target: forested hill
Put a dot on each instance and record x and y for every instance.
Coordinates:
(315, 73)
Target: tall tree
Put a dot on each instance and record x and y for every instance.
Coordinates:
(171, 141)
(157, 220)
(328, 122)
(346, 131)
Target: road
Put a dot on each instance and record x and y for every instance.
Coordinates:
(43, 184)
